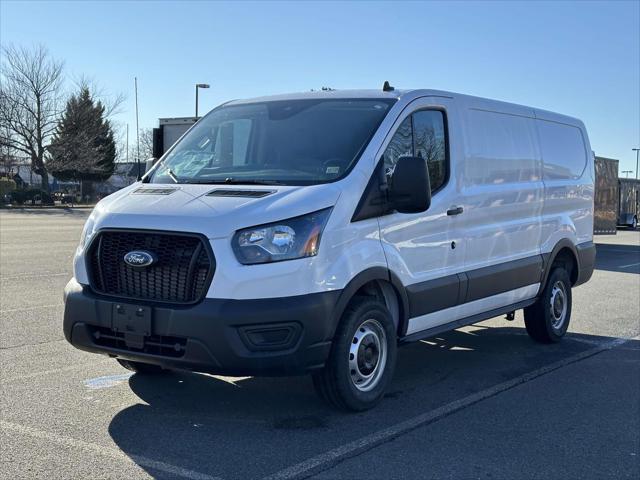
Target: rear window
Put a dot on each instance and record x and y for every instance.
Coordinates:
(563, 150)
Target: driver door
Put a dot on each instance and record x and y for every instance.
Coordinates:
(426, 250)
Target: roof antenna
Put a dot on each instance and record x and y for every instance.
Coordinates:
(386, 87)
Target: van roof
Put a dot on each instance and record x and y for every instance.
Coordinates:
(469, 100)
(394, 94)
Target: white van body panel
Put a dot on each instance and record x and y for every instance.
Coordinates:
(418, 246)
(496, 174)
(161, 277)
(501, 183)
(568, 201)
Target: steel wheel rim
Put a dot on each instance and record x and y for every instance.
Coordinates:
(367, 355)
(558, 305)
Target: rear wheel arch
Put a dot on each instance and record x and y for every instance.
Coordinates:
(565, 255)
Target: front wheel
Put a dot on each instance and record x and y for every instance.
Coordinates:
(362, 358)
(547, 320)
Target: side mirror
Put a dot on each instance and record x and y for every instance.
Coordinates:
(410, 190)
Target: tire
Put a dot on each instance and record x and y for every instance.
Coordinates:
(547, 320)
(634, 223)
(142, 368)
(362, 358)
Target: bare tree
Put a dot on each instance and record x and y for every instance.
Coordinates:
(30, 103)
(146, 144)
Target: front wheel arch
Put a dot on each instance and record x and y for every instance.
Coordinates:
(365, 282)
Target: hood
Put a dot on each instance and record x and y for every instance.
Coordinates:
(216, 211)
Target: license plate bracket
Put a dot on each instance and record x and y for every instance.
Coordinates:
(134, 321)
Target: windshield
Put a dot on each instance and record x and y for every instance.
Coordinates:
(294, 142)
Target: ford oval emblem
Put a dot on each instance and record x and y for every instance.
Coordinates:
(139, 258)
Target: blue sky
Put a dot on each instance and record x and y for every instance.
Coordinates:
(577, 58)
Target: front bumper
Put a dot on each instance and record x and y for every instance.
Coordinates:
(274, 336)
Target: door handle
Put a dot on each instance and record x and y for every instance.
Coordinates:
(455, 211)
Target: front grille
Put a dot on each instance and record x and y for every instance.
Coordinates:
(181, 273)
(153, 345)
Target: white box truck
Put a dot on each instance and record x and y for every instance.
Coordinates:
(316, 232)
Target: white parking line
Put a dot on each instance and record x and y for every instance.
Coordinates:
(27, 376)
(332, 457)
(630, 265)
(35, 307)
(34, 275)
(103, 450)
(107, 381)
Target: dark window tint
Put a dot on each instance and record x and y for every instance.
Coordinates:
(429, 143)
(421, 135)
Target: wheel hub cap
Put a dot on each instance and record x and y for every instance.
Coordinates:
(558, 305)
(367, 355)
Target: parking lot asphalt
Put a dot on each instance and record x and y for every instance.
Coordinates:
(480, 402)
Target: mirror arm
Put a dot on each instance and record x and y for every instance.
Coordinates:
(383, 187)
(384, 181)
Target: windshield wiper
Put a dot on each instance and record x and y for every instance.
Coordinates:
(173, 176)
(237, 181)
(169, 172)
(240, 181)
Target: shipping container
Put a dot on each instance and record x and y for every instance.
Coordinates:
(606, 196)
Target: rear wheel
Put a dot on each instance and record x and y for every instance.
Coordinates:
(362, 358)
(634, 223)
(547, 320)
(139, 367)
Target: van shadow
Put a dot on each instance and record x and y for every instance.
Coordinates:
(618, 258)
(248, 428)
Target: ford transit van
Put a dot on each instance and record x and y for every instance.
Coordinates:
(316, 232)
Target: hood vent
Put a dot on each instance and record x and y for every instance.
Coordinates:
(154, 191)
(226, 192)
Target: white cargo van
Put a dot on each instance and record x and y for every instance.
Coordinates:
(315, 232)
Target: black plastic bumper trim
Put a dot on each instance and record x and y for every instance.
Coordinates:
(586, 261)
(212, 331)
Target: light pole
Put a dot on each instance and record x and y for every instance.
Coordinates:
(637, 150)
(627, 173)
(199, 85)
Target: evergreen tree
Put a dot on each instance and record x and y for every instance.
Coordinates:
(83, 146)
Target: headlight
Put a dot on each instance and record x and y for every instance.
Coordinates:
(87, 232)
(297, 237)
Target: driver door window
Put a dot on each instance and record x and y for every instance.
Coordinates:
(421, 134)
